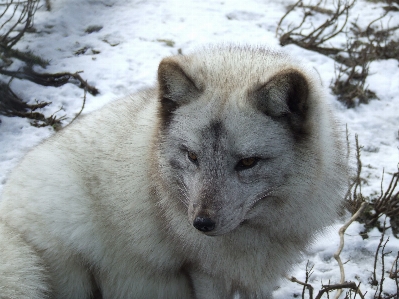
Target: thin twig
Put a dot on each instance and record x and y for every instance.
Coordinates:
(307, 285)
(341, 233)
(83, 106)
(383, 254)
(339, 287)
(287, 13)
(375, 281)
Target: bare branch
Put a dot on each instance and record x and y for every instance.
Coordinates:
(340, 287)
(286, 14)
(27, 10)
(394, 274)
(305, 284)
(341, 233)
(17, 18)
(81, 110)
(57, 79)
(319, 35)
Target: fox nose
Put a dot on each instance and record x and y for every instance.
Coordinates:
(204, 224)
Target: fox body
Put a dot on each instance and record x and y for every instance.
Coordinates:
(208, 185)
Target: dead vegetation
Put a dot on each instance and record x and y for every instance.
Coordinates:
(16, 19)
(364, 45)
(311, 37)
(343, 284)
(369, 212)
(386, 204)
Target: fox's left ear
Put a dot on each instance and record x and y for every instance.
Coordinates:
(175, 86)
(285, 95)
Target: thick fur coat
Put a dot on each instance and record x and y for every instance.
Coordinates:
(208, 185)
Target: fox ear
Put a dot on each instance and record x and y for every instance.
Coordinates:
(175, 87)
(285, 95)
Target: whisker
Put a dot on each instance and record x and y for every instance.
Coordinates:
(182, 188)
(262, 195)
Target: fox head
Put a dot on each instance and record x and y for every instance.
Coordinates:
(234, 129)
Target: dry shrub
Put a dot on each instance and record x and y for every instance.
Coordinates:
(353, 59)
(16, 19)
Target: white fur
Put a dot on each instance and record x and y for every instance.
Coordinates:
(96, 206)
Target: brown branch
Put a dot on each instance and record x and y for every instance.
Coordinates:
(25, 18)
(374, 281)
(305, 284)
(395, 273)
(383, 254)
(83, 106)
(286, 14)
(387, 203)
(56, 80)
(315, 38)
(340, 287)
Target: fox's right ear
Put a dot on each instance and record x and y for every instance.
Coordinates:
(285, 96)
(175, 86)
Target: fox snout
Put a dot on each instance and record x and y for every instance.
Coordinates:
(209, 213)
(204, 224)
(202, 217)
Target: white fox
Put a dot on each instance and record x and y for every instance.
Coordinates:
(208, 185)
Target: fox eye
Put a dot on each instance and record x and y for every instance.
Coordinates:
(246, 163)
(192, 157)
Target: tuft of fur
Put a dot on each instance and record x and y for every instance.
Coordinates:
(22, 274)
(206, 186)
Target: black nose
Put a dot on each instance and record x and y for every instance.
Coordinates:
(204, 224)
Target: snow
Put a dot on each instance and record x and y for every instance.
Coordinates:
(123, 56)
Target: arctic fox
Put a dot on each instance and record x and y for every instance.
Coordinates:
(208, 185)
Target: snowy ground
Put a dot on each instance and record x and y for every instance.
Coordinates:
(123, 57)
